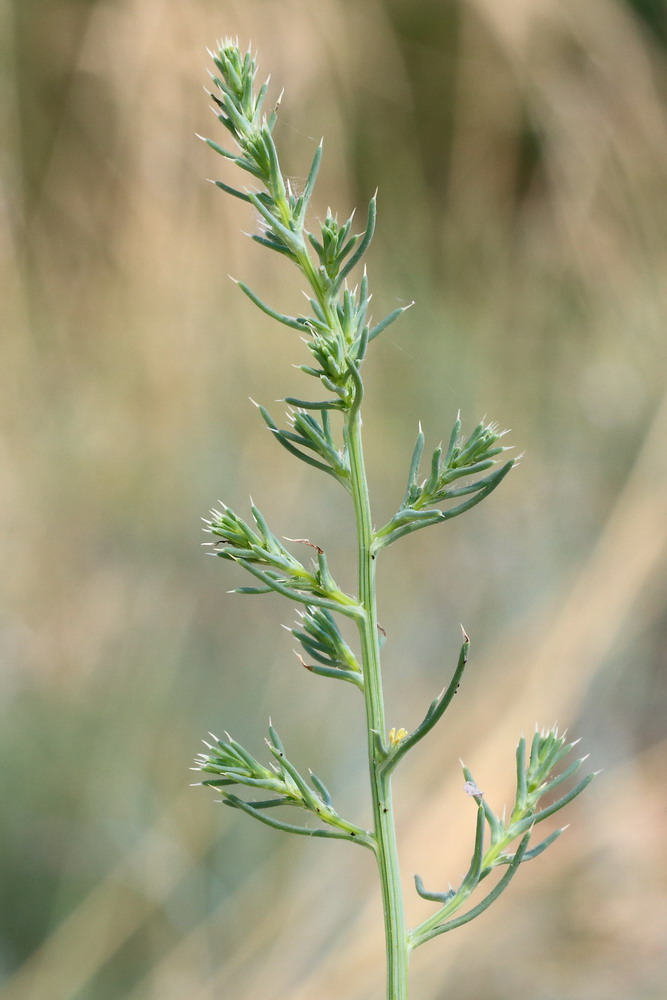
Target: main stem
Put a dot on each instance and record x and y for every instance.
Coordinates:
(385, 832)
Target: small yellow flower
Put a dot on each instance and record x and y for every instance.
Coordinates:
(397, 736)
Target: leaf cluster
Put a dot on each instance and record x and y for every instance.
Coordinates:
(312, 436)
(465, 457)
(337, 329)
(534, 781)
(263, 555)
(321, 640)
(234, 765)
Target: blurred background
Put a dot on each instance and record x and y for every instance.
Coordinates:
(520, 151)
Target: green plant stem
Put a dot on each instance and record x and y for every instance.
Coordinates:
(385, 833)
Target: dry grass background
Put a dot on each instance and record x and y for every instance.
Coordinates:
(521, 151)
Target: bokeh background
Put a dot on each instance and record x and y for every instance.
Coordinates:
(520, 149)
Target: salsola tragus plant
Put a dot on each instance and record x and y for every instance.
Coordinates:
(326, 433)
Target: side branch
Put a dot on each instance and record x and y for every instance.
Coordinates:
(364, 838)
(435, 712)
(419, 936)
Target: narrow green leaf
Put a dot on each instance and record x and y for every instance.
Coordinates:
(261, 95)
(337, 674)
(278, 247)
(435, 712)
(351, 610)
(365, 243)
(275, 739)
(479, 484)
(563, 776)
(302, 404)
(324, 574)
(283, 800)
(536, 851)
(328, 383)
(456, 430)
(534, 750)
(521, 790)
(291, 238)
(290, 321)
(361, 345)
(472, 877)
(231, 190)
(413, 474)
(437, 516)
(431, 483)
(537, 817)
(387, 321)
(434, 897)
(281, 437)
(358, 391)
(277, 182)
(419, 939)
(317, 246)
(306, 793)
(481, 495)
(253, 590)
(310, 183)
(218, 149)
(312, 646)
(252, 763)
(322, 789)
(451, 475)
(236, 803)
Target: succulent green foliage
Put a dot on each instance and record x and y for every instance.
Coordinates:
(338, 329)
(234, 765)
(263, 555)
(435, 712)
(326, 434)
(322, 641)
(464, 458)
(336, 242)
(312, 436)
(535, 780)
